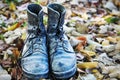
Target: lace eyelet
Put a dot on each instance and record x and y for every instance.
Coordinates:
(53, 25)
(34, 27)
(62, 39)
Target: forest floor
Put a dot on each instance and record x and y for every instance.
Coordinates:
(93, 29)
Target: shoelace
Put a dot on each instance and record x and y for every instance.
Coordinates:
(60, 33)
(30, 39)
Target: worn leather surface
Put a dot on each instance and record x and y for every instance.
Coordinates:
(62, 55)
(34, 60)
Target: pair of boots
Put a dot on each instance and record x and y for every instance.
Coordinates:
(47, 52)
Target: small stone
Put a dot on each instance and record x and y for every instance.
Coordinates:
(109, 5)
(103, 29)
(89, 77)
(4, 75)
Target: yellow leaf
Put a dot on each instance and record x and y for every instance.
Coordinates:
(42, 2)
(23, 36)
(89, 53)
(106, 43)
(87, 65)
(97, 74)
(13, 27)
(12, 6)
(111, 39)
(108, 16)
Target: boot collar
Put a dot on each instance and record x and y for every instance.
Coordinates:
(35, 13)
(57, 8)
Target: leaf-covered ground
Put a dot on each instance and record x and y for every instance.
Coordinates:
(93, 29)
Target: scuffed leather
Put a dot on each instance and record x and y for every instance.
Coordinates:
(62, 55)
(34, 60)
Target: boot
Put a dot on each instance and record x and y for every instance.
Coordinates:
(62, 55)
(34, 60)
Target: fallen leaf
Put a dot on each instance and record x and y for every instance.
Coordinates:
(13, 27)
(12, 6)
(87, 65)
(3, 47)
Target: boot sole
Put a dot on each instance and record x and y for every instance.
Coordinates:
(36, 76)
(66, 74)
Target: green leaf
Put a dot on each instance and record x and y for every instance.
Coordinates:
(1, 37)
(24, 24)
(45, 19)
(118, 33)
(112, 19)
(3, 24)
(8, 1)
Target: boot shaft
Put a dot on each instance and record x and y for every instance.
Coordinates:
(35, 18)
(56, 14)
